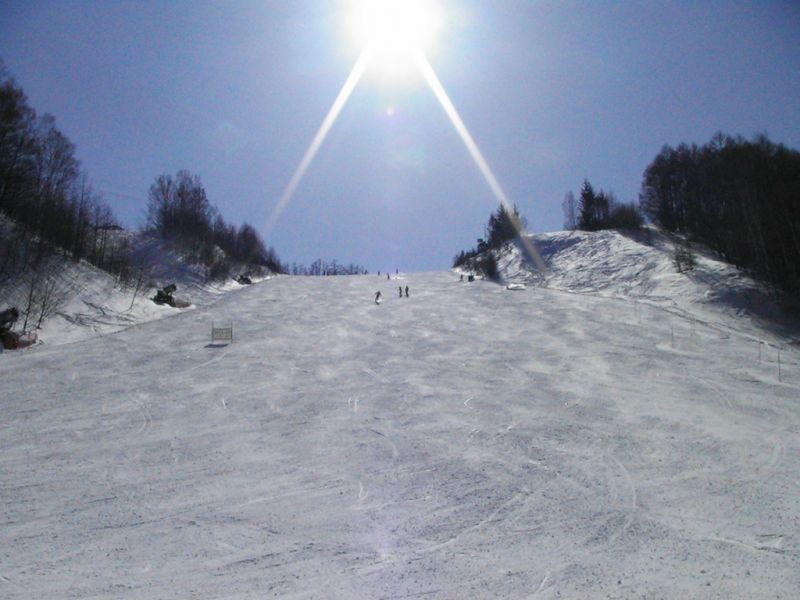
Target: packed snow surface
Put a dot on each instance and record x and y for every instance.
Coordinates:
(465, 442)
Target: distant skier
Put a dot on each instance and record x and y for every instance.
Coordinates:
(400, 290)
(406, 291)
(387, 276)
(378, 297)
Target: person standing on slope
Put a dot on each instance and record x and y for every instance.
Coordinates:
(378, 297)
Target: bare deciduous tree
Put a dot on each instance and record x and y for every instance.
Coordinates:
(45, 294)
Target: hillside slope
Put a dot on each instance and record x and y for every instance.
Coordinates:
(464, 442)
(87, 301)
(638, 268)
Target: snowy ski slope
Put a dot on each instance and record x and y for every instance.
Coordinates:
(465, 442)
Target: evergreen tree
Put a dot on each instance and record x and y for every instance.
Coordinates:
(503, 226)
(586, 207)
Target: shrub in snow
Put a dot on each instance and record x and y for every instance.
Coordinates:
(683, 257)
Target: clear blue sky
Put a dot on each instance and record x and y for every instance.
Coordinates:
(552, 92)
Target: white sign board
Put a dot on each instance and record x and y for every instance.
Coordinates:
(221, 333)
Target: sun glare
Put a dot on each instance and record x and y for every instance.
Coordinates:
(394, 37)
(395, 31)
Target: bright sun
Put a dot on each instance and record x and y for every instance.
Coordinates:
(394, 31)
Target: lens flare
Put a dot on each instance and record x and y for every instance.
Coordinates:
(397, 32)
(344, 94)
(438, 90)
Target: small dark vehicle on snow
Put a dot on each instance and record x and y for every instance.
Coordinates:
(8, 339)
(164, 296)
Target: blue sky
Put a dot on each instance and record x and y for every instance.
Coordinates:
(552, 92)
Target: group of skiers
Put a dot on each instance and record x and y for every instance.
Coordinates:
(399, 288)
(399, 293)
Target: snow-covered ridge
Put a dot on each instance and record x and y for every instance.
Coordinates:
(639, 266)
(91, 302)
(636, 267)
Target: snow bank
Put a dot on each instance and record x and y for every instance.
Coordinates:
(639, 267)
(89, 302)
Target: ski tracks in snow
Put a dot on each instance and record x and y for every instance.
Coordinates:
(724, 398)
(392, 446)
(632, 509)
(491, 518)
(144, 411)
(497, 446)
(772, 434)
